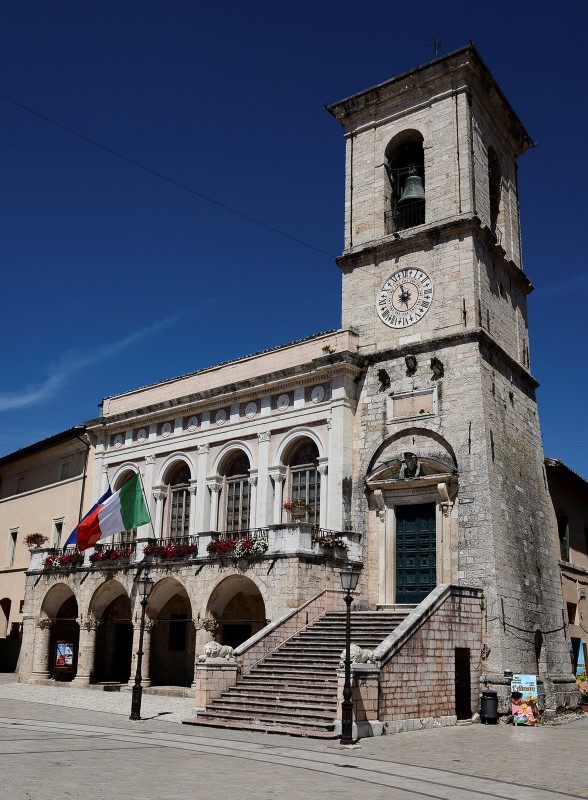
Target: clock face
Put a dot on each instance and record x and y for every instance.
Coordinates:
(405, 298)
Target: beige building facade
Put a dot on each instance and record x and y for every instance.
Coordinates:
(407, 443)
(42, 490)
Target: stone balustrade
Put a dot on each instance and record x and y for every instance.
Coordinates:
(292, 539)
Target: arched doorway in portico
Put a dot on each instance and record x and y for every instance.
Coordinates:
(237, 605)
(172, 635)
(60, 607)
(114, 635)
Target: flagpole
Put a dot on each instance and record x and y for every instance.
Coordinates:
(146, 504)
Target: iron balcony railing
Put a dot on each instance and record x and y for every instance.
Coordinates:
(405, 215)
(249, 533)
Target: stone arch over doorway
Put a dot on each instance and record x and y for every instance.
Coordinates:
(57, 623)
(237, 605)
(412, 482)
(171, 635)
(110, 607)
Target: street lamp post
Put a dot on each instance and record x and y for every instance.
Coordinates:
(349, 577)
(145, 584)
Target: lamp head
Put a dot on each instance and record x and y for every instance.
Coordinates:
(145, 584)
(349, 578)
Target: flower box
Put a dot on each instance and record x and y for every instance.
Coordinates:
(63, 561)
(171, 551)
(114, 554)
(237, 548)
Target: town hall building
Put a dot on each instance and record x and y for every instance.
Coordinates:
(407, 443)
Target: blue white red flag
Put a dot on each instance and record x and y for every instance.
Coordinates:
(73, 537)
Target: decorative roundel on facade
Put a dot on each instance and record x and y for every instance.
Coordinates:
(317, 394)
(192, 423)
(166, 429)
(141, 435)
(405, 298)
(220, 417)
(283, 402)
(118, 440)
(250, 410)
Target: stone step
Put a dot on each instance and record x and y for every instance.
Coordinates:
(294, 719)
(294, 689)
(312, 733)
(316, 711)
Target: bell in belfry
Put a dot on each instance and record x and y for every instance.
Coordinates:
(413, 190)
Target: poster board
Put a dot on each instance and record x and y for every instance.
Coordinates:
(523, 700)
(64, 656)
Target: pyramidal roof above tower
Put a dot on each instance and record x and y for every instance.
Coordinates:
(465, 63)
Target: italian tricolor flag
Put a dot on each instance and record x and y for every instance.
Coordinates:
(122, 511)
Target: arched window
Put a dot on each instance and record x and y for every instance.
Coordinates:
(178, 502)
(405, 195)
(305, 479)
(237, 508)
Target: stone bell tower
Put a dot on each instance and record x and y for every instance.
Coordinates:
(448, 461)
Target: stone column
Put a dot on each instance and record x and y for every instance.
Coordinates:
(192, 523)
(215, 486)
(158, 496)
(145, 662)
(86, 650)
(323, 469)
(146, 531)
(202, 518)
(262, 514)
(278, 476)
(41, 653)
(104, 480)
(253, 499)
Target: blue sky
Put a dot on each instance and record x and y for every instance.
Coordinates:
(113, 277)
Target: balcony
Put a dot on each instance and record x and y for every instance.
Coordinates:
(278, 541)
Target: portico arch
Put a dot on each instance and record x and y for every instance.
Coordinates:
(58, 622)
(172, 635)
(237, 604)
(110, 607)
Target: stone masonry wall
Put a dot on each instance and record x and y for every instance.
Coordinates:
(419, 680)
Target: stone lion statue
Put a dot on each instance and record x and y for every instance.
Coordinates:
(358, 656)
(216, 650)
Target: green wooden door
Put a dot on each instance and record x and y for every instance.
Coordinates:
(416, 557)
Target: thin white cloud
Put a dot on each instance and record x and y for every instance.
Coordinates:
(68, 364)
(572, 285)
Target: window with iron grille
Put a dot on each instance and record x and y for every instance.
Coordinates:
(306, 479)
(178, 503)
(238, 495)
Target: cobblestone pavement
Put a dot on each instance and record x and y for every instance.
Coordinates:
(51, 747)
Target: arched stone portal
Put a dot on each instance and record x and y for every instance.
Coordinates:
(58, 622)
(111, 612)
(172, 637)
(237, 605)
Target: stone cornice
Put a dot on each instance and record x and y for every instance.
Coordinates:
(319, 369)
(424, 236)
(441, 342)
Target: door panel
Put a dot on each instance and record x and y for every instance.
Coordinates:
(416, 556)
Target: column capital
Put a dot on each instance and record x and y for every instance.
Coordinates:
(214, 484)
(278, 474)
(44, 623)
(150, 459)
(264, 436)
(89, 623)
(158, 495)
(203, 449)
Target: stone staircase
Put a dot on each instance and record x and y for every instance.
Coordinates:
(294, 689)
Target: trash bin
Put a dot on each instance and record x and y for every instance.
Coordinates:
(489, 707)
